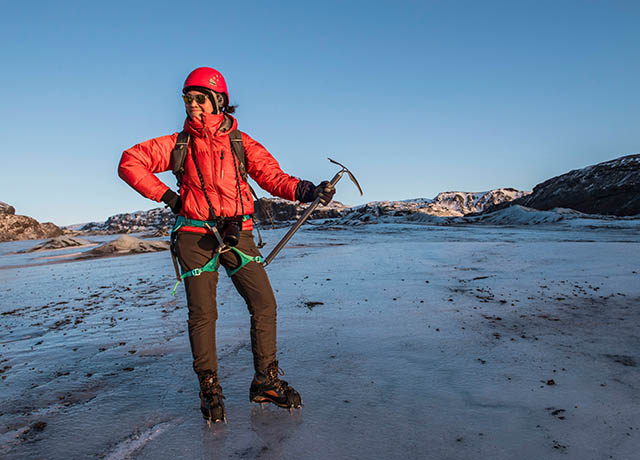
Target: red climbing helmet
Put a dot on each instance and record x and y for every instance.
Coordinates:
(208, 78)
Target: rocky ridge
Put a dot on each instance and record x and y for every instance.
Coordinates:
(157, 219)
(445, 204)
(6, 208)
(160, 221)
(16, 227)
(276, 212)
(271, 211)
(608, 188)
(440, 209)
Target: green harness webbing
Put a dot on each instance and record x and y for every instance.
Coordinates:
(212, 265)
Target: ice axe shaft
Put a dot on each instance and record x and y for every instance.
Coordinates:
(301, 220)
(305, 215)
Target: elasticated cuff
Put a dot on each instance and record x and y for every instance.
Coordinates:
(170, 198)
(305, 191)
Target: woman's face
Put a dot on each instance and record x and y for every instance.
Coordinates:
(195, 109)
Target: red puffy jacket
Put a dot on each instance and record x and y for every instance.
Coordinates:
(219, 171)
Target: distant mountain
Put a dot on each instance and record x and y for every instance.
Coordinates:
(611, 188)
(15, 227)
(608, 188)
(276, 211)
(155, 220)
(446, 204)
(160, 221)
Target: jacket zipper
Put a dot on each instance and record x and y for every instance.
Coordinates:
(221, 177)
(214, 184)
(221, 166)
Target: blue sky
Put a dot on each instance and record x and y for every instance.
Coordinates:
(415, 98)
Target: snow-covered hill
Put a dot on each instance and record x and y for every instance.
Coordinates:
(157, 219)
(445, 204)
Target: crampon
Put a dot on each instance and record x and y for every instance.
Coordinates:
(268, 388)
(211, 397)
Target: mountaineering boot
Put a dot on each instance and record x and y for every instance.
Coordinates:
(211, 398)
(267, 387)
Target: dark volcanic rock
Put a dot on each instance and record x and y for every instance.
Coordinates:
(610, 188)
(13, 228)
(6, 209)
(278, 210)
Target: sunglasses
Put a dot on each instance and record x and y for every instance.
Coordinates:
(199, 98)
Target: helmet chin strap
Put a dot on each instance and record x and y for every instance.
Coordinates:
(218, 103)
(216, 107)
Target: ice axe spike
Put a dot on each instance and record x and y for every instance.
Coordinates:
(307, 212)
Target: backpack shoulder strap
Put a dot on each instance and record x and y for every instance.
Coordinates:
(179, 154)
(235, 139)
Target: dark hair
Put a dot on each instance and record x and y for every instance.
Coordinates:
(228, 108)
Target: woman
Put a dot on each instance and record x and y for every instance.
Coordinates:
(214, 204)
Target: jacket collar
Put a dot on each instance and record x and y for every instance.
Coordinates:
(210, 124)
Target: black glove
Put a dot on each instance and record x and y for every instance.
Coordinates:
(172, 200)
(306, 192)
(325, 191)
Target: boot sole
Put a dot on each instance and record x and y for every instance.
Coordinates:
(262, 400)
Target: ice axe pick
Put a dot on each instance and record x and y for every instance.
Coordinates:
(305, 215)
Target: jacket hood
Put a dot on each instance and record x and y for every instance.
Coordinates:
(210, 124)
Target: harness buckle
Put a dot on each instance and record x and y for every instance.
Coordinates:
(196, 272)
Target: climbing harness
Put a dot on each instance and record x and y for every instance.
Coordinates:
(212, 265)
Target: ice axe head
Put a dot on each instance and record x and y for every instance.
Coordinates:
(338, 176)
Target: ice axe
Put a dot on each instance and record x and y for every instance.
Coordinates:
(305, 215)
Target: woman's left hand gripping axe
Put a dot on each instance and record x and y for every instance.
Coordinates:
(305, 215)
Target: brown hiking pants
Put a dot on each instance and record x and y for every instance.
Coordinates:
(194, 251)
